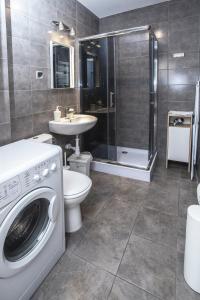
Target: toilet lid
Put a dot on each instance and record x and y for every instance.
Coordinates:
(75, 183)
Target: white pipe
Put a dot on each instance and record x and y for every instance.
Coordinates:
(77, 149)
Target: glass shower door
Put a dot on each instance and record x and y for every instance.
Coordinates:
(153, 96)
(98, 96)
(111, 98)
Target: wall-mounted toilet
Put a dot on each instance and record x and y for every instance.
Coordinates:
(76, 188)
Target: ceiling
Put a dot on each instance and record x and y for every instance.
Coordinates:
(104, 8)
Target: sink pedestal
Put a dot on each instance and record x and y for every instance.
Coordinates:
(77, 148)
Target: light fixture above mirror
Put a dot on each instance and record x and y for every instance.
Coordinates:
(61, 27)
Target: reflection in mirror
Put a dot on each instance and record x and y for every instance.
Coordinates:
(62, 66)
(91, 68)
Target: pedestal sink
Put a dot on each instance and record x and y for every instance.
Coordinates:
(75, 126)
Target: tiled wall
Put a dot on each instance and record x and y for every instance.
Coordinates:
(176, 24)
(5, 130)
(177, 27)
(31, 100)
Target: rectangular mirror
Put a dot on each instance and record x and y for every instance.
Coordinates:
(62, 66)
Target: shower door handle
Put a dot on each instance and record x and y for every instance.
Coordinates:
(111, 99)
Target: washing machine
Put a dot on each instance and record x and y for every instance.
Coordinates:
(31, 216)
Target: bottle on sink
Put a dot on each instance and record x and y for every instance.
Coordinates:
(57, 114)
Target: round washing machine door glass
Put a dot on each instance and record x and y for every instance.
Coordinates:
(26, 230)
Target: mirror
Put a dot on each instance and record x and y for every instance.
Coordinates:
(62, 66)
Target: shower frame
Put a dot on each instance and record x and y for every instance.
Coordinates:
(113, 167)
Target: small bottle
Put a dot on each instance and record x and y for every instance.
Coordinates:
(57, 114)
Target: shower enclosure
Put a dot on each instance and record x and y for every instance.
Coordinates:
(118, 84)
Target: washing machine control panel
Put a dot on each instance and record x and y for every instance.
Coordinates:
(11, 189)
(39, 173)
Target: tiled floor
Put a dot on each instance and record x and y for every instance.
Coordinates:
(131, 244)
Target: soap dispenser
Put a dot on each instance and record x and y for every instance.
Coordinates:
(57, 114)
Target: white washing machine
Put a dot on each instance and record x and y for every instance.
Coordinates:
(31, 216)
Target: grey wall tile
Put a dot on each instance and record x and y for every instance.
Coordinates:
(18, 51)
(41, 122)
(21, 127)
(48, 11)
(19, 77)
(181, 92)
(190, 60)
(183, 41)
(163, 60)
(5, 133)
(21, 5)
(67, 6)
(183, 76)
(3, 74)
(183, 8)
(3, 39)
(4, 107)
(40, 102)
(17, 23)
(28, 22)
(20, 102)
(38, 32)
(39, 54)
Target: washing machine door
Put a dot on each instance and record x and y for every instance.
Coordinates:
(26, 229)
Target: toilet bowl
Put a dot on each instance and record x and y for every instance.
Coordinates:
(76, 188)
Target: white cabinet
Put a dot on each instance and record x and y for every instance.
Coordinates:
(179, 137)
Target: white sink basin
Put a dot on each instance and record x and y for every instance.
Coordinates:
(78, 125)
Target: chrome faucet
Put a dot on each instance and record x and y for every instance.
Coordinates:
(70, 113)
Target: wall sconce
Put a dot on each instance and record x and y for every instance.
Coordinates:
(62, 28)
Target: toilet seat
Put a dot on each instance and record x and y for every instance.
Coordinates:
(75, 184)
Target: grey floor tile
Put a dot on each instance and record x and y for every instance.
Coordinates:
(156, 226)
(103, 245)
(167, 173)
(180, 267)
(123, 290)
(75, 279)
(150, 267)
(106, 239)
(184, 292)
(181, 234)
(187, 197)
(166, 202)
(94, 203)
(120, 212)
(73, 239)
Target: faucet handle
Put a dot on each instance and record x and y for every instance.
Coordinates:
(70, 113)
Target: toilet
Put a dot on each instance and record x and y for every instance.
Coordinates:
(76, 187)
